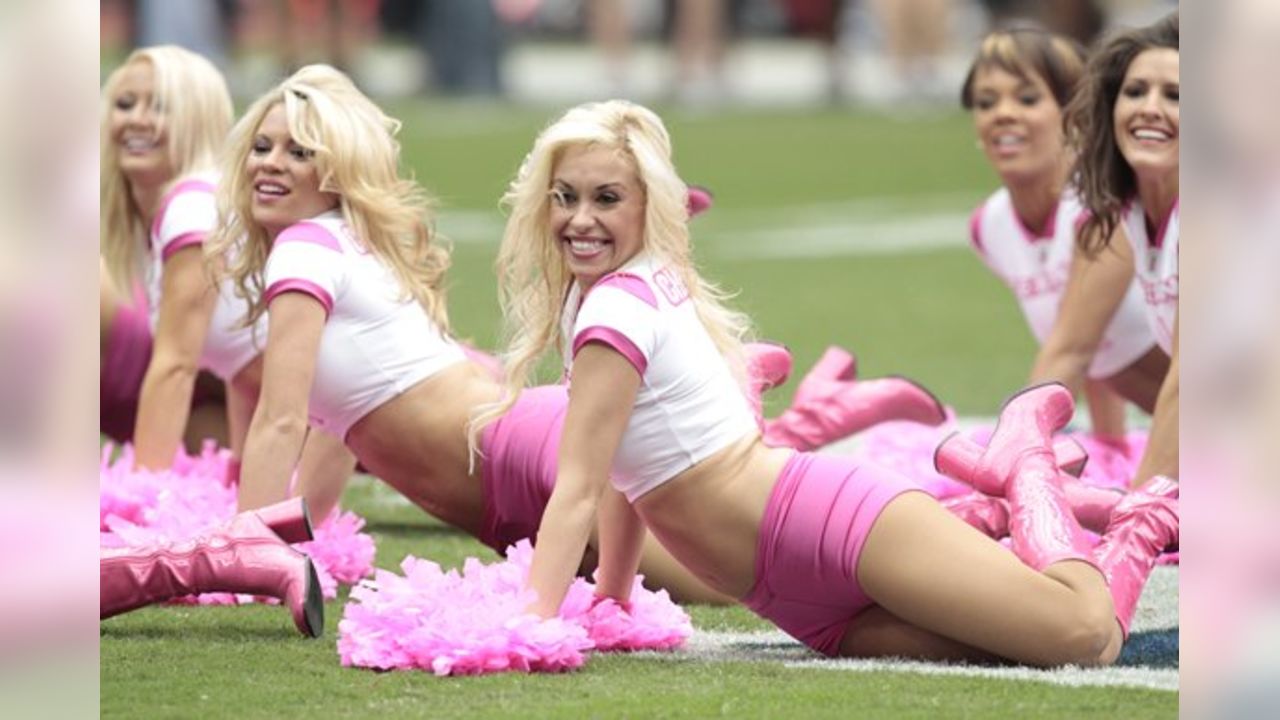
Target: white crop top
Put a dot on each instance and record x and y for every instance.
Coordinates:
(688, 405)
(188, 213)
(1035, 267)
(378, 341)
(1155, 262)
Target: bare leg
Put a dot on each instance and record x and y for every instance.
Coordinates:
(323, 470)
(936, 573)
(1106, 410)
(1140, 382)
(876, 632)
(242, 401)
(109, 302)
(206, 422)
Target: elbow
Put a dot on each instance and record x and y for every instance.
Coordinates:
(1068, 365)
(173, 367)
(286, 424)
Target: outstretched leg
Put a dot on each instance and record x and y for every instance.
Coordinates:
(1053, 607)
(961, 595)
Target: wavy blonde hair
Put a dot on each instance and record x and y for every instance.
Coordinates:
(357, 158)
(533, 276)
(193, 106)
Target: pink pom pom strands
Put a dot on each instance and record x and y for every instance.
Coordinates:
(142, 507)
(473, 622)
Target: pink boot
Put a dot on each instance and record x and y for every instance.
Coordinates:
(243, 556)
(1018, 464)
(768, 366)
(1144, 523)
(1026, 426)
(988, 515)
(962, 454)
(836, 363)
(1091, 505)
(834, 409)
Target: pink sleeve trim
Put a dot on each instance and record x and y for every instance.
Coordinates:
(630, 284)
(307, 232)
(975, 224)
(186, 186)
(614, 339)
(191, 239)
(307, 287)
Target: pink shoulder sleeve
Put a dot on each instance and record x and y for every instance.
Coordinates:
(975, 230)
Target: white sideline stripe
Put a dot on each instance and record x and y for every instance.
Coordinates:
(778, 647)
(1135, 677)
(856, 228)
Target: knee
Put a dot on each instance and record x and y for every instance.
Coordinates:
(1088, 637)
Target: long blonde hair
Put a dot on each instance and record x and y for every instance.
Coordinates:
(193, 106)
(533, 276)
(357, 158)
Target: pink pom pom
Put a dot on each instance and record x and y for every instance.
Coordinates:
(341, 548)
(141, 507)
(467, 623)
(474, 622)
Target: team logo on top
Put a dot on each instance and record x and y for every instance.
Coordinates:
(672, 287)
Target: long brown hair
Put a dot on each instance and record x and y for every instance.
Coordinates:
(1102, 175)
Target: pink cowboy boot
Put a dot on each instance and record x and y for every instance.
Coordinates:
(1143, 524)
(957, 456)
(768, 366)
(243, 556)
(834, 409)
(1026, 426)
(1018, 464)
(988, 515)
(836, 363)
(1092, 506)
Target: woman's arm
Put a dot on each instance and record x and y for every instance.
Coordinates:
(622, 536)
(601, 398)
(1095, 288)
(1161, 455)
(279, 425)
(323, 471)
(186, 304)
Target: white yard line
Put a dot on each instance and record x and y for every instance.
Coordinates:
(870, 226)
(1149, 662)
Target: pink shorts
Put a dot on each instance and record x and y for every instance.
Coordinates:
(124, 363)
(521, 452)
(818, 517)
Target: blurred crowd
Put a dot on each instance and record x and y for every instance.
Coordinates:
(878, 51)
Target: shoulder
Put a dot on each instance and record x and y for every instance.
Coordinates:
(186, 199)
(623, 284)
(322, 232)
(978, 219)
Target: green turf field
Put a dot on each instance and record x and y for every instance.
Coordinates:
(836, 228)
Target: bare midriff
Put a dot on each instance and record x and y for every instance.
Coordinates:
(708, 517)
(417, 443)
